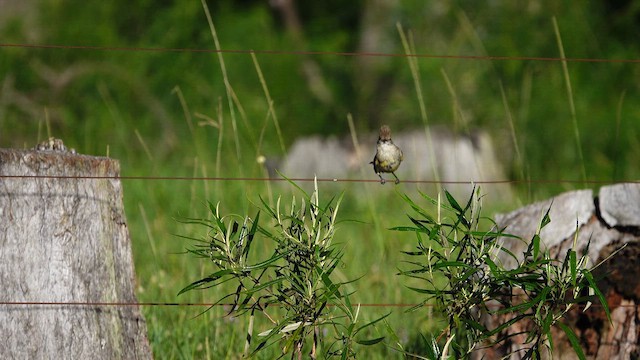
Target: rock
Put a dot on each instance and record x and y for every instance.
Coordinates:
(620, 204)
(448, 157)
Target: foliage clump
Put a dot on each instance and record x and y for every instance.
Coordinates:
(293, 287)
(459, 268)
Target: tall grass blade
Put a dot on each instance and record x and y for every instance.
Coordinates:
(267, 94)
(415, 74)
(572, 106)
(225, 77)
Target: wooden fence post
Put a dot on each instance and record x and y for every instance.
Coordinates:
(65, 259)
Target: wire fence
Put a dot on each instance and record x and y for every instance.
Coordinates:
(265, 179)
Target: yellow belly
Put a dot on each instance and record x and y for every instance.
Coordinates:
(388, 158)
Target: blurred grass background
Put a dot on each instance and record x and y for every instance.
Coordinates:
(166, 113)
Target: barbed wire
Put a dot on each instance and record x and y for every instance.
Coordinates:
(314, 53)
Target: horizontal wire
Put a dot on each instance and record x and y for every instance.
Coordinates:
(196, 178)
(314, 53)
(168, 304)
(55, 303)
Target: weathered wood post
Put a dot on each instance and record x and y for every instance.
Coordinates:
(65, 259)
(604, 223)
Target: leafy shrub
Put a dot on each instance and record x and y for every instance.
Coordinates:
(458, 266)
(296, 278)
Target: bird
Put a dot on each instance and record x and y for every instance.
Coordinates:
(388, 156)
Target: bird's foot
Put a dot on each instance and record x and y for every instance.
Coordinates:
(382, 181)
(397, 180)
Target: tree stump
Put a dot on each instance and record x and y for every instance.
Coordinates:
(65, 258)
(604, 223)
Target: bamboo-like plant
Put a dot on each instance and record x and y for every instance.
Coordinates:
(293, 287)
(457, 262)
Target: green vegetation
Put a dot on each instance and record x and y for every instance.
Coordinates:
(459, 268)
(292, 290)
(167, 113)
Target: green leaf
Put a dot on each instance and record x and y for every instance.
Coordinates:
(304, 193)
(573, 267)
(413, 253)
(212, 208)
(417, 208)
(520, 308)
(436, 202)
(418, 223)
(452, 201)
(268, 208)
(251, 235)
(274, 332)
(467, 274)
(546, 219)
(218, 220)
(573, 339)
(372, 323)
(474, 324)
(603, 300)
(442, 264)
(489, 234)
(424, 291)
(534, 247)
(405, 228)
(541, 299)
(211, 278)
(264, 264)
(370, 341)
(265, 285)
(495, 271)
(503, 326)
(508, 252)
(204, 222)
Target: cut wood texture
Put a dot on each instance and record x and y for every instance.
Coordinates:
(604, 223)
(65, 240)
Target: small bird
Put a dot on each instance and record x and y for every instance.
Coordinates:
(388, 155)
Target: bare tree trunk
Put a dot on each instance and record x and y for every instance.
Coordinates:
(65, 240)
(604, 224)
